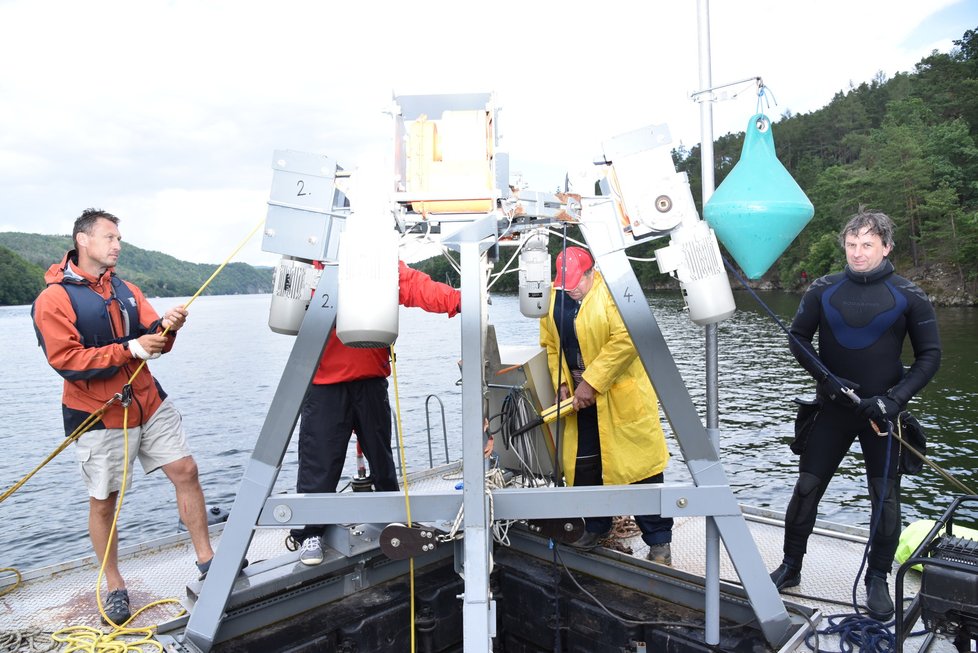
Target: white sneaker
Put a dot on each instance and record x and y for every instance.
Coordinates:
(312, 551)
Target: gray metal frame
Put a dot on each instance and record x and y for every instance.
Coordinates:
(711, 495)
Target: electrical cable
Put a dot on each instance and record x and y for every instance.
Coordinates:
(640, 259)
(814, 359)
(506, 269)
(856, 631)
(637, 622)
(516, 411)
(558, 481)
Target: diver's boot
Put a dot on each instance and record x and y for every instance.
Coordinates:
(786, 576)
(879, 605)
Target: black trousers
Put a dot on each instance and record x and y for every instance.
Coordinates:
(835, 429)
(587, 472)
(330, 414)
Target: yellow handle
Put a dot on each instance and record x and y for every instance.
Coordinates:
(561, 409)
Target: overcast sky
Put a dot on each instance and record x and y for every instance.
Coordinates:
(166, 113)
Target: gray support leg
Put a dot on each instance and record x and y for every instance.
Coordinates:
(266, 460)
(698, 449)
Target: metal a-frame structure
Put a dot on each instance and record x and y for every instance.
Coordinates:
(472, 235)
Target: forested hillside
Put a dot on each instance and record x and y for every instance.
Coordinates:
(20, 281)
(907, 146)
(25, 257)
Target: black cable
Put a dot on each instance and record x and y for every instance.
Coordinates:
(556, 575)
(667, 624)
(514, 405)
(559, 432)
(815, 359)
(875, 521)
(855, 630)
(558, 481)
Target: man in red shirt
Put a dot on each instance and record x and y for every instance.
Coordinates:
(349, 393)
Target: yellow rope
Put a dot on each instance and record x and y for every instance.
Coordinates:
(77, 433)
(95, 640)
(404, 476)
(16, 583)
(208, 282)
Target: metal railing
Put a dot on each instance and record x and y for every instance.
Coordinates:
(444, 428)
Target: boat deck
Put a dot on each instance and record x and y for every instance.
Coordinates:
(61, 596)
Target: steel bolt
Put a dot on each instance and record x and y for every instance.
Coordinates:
(282, 513)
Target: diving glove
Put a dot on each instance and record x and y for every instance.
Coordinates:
(836, 389)
(882, 410)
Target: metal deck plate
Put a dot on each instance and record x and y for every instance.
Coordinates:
(63, 595)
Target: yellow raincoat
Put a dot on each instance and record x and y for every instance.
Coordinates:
(633, 446)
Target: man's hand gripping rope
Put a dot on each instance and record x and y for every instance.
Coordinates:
(881, 411)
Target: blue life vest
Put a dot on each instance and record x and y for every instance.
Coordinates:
(92, 313)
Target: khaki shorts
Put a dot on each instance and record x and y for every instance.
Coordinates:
(158, 442)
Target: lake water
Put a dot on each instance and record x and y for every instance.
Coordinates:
(226, 366)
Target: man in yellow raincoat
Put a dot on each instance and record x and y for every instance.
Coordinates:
(615, 437)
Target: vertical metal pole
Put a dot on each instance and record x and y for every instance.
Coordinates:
(712, 576)
(478, 617)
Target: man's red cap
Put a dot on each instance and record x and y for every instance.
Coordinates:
(578, 262)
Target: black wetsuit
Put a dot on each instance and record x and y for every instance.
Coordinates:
(862, 321)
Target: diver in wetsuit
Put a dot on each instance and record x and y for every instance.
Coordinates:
(862, 316)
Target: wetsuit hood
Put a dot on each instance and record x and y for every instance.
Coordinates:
(881, 271)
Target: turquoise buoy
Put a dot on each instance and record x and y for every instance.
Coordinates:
(759, 208)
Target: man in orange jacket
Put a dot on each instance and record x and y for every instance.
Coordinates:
(349, 393)
(95, 329)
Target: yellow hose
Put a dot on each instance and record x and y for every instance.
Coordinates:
(404, 476)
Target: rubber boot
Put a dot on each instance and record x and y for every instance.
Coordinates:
(879, 605)
(787, 575)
